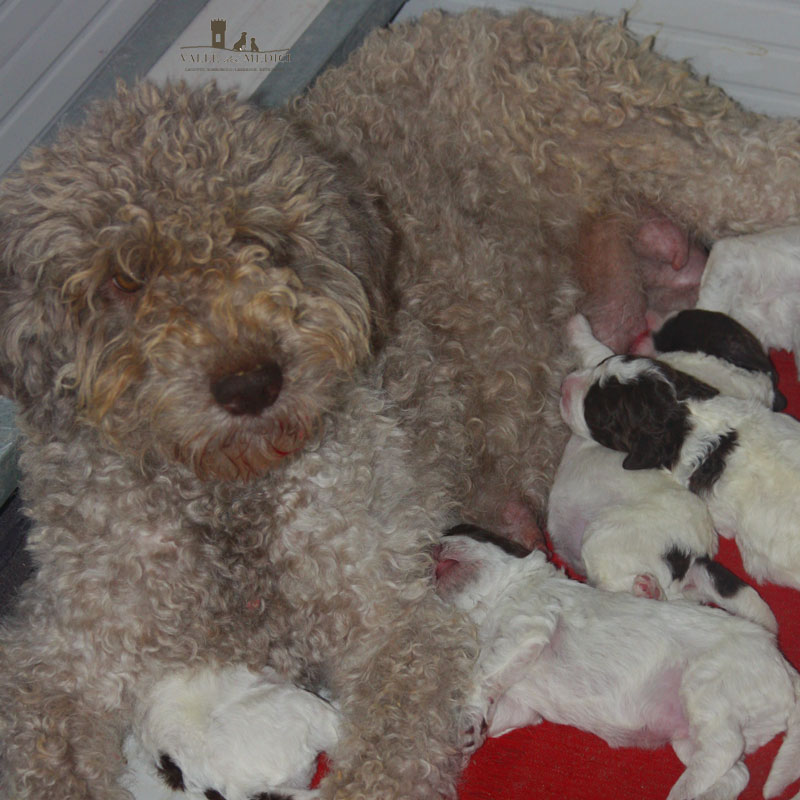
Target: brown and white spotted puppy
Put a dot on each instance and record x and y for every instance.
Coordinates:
(741, 458)
(718, 350)
(638, 531)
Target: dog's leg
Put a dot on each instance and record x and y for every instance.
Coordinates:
(53, 745)
(634, 272)
(582, 340)
(713, 764)
(708, 581)
(518, 523)
(730, 785)
(401, 688)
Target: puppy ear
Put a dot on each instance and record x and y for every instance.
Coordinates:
(660, 445)
(779, 402)
(640, 458)
(642, 417)
(687, 387)
(483, 536)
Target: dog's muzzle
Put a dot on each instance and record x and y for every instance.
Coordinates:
(248, 392)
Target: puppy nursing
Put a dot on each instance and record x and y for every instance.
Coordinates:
(756, 280)
(633, 671)
(638, 531)
(740, 457)
(719, 351)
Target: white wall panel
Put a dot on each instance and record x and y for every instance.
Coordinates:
(749, 47)
(47, 51)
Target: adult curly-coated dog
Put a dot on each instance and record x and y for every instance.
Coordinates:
(261, 358)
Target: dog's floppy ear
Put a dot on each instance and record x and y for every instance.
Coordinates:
(641, 457)
(687, 387)
(664, 428)
(658, 447)
(641, 417)
(484, 536)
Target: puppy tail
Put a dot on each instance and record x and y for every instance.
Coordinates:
(786, 766)
(708, 581)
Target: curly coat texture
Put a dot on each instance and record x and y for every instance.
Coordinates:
(393, 251)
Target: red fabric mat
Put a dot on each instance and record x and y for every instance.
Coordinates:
(560, 763)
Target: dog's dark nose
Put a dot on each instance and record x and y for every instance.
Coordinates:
(249, 392)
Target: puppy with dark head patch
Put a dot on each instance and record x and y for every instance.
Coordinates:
(741, 458)
(720, 351)
(638, 530)
(635, 405)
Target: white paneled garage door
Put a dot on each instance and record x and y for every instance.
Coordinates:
(749, 47)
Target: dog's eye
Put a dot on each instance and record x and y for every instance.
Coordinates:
(125, 283)
(247, 240)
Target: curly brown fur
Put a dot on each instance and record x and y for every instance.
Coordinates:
(410, 225)
(171, 529)
(494, 138)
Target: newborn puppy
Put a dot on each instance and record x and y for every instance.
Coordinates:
(632, 671)
(720, 351)
(756, 280)
(737, 455)
(228, 734)
(640, 531)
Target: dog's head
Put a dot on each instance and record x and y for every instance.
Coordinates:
(189, 276)
(635, 405)
(474, 566)
(715, 334)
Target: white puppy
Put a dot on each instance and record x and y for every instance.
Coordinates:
(227, 734)
(638, 531)
(741, 458)
(756, 280)
(633, 671)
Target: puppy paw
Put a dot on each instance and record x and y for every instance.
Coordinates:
(474, 737)
(475, 727)
(583, 341)
(646, 585)
(579, 331)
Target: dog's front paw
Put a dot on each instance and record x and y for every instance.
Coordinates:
(583, 341)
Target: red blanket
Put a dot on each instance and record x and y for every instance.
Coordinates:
(551, 762)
